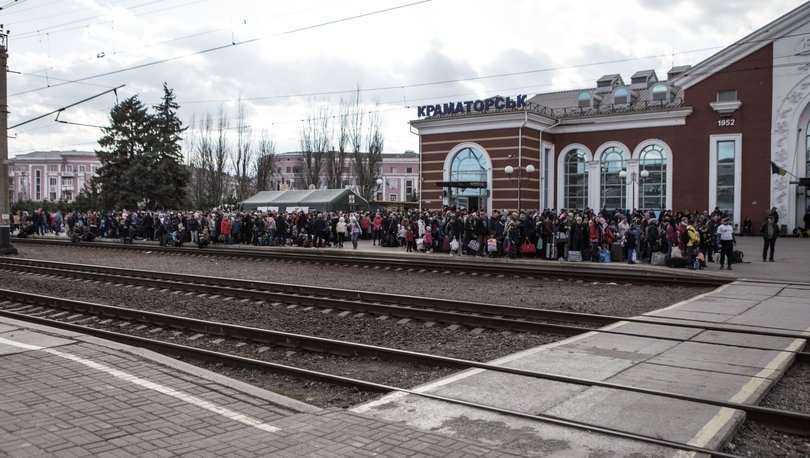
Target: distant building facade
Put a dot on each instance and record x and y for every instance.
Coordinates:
(399, 174)
(50, 175)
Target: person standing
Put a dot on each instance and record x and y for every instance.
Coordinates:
(769, 231)
(725, 236)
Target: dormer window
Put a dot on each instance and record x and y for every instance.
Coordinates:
(584, 100)
(660, 92)
(621, 96)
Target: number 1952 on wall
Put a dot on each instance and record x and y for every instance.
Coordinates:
(727, 122)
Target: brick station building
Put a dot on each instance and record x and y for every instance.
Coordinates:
(701, 137)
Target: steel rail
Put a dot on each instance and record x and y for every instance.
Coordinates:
(794, 422)
(471, 265)
(318, 296)
(475, 321)
(199, 354)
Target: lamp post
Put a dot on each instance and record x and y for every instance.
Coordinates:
(5, 210)
(633, 180)
(509, 171)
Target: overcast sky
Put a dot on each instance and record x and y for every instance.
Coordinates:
(284, 57)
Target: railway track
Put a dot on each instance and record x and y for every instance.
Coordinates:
(67, 314)
(465, 313)
(429, 263)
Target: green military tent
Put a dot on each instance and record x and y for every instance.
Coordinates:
(314, 200)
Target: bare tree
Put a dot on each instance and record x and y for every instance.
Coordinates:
(367, 165)
(315, 140)
(202, 164)
(336, 166)
(217, 178)
(243, 154)
(266, 164)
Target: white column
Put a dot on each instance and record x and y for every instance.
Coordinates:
(594, 178)
(632, 190)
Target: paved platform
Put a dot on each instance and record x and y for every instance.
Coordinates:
(64, 394)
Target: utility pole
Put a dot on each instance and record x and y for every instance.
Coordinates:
(5, 217)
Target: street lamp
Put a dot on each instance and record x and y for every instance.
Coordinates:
(509, 171)
(633, 180)
(380, 182)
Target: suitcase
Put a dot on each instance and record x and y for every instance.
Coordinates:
(551, 251)
(446, 244)
(616, 251)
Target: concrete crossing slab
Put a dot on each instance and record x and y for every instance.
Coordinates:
(659, 330)
(719, 305)
(505, 432)
(562, 361)
(740, 339)
(622, 347)
(514, 392)
(722, 359)
(687, 381)
(696, 316)
(634, 412)
(778, 315)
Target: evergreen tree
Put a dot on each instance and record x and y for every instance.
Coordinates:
(123, 146)
(141, 162)
(168, 167)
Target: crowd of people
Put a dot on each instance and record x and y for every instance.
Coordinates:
(677, 239)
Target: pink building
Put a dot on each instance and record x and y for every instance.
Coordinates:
(399, 175)
(50, 175)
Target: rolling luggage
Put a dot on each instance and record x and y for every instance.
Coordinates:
(446, 244)
(616, 250)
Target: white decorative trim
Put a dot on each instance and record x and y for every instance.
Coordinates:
(713, 140)
(449, 159)
(561, 170)
(640, 120)
(726, 108)
(455, 124)
(785, 144)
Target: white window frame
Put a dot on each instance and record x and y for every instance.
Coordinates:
(81, 168)
(713, 140)
(393, 197)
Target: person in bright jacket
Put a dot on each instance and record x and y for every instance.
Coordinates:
(225, 229)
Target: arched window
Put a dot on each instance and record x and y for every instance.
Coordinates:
(612, 187)
(653, 189)
(660, 92)
(470, 170)
(584, 99)
(621, 96)
(575, 180)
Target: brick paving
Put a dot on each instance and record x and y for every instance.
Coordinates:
(78, 398)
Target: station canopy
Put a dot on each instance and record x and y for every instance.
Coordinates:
(307, 201)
